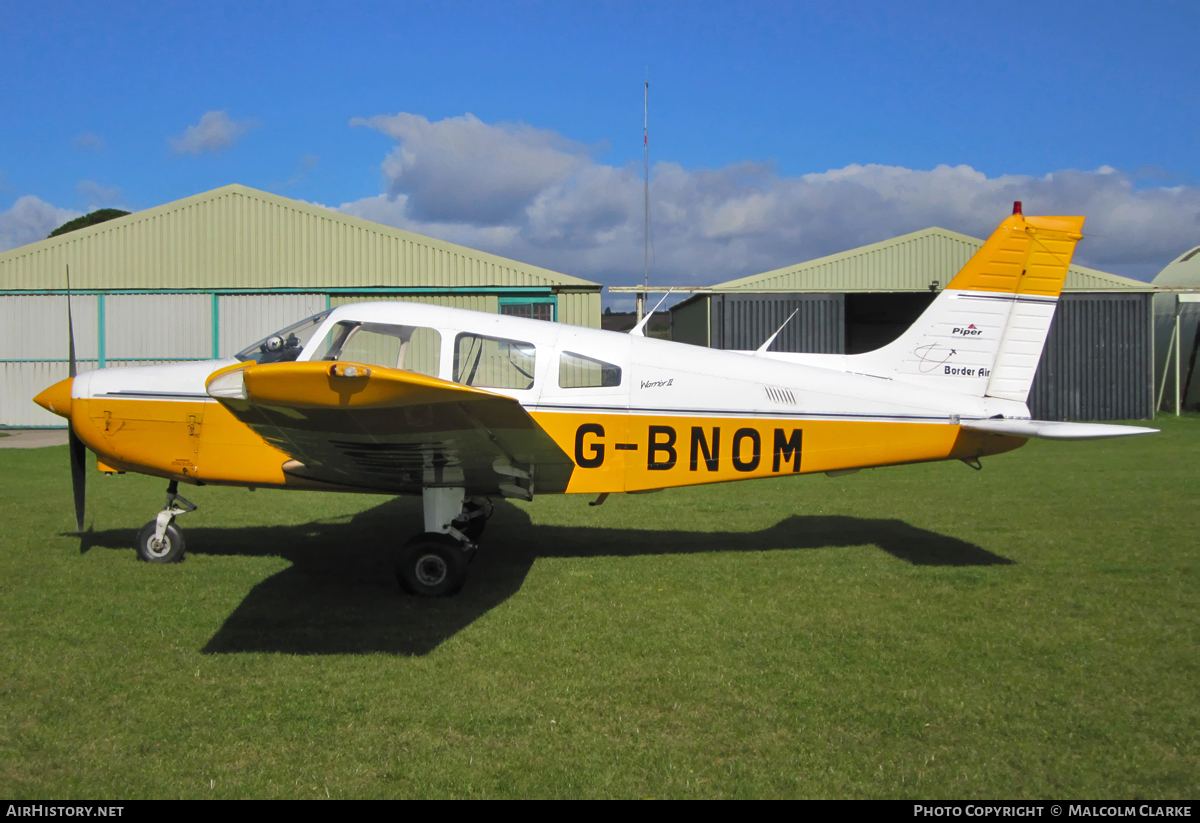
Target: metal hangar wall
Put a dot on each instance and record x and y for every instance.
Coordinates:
(1098, 363)
(207, 275)
(1177, 333)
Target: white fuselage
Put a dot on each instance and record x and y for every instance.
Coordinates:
(658, 376)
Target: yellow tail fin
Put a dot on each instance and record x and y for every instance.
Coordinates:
(984, 334)
(1025, 255)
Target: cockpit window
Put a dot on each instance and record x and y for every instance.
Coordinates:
(413, 348)
(493, 363)
(575, 371)
(283, 345)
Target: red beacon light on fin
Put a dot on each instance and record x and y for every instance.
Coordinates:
(1016, 207)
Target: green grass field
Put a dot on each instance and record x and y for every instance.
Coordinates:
(1028, 631)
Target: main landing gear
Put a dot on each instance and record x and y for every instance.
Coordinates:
(434, 563)
(160, 540)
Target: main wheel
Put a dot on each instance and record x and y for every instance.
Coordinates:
(169, 550)
(432, 565)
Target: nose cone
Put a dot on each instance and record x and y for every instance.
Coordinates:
(57, 398)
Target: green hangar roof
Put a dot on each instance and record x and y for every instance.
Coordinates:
(236, 237)
(1181, 273)
(910, 262)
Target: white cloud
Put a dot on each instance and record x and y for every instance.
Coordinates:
(215, 131)
(463, 170)
(97, 194)
(87, 140)
(30, 219)
(534, 196)
(307, 163)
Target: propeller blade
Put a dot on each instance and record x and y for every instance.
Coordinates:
(70, 330)
(78, 450)
(78, 475)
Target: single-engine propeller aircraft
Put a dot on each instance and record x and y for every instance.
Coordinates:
(461, 406)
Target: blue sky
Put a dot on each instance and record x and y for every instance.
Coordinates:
(778, 131)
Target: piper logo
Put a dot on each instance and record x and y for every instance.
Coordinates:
(969, 331)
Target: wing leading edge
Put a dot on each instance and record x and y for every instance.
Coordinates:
(391, 430)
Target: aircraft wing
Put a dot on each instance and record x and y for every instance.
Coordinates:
(1052, 430)
(392, 430)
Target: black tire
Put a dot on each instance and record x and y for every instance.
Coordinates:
(170, 551)
(432, 565)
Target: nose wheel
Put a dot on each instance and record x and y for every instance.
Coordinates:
(166, 549)
(160, 540)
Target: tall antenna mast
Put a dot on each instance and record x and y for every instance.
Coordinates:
(646, 173)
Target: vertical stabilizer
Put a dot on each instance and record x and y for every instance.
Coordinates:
(984, 334)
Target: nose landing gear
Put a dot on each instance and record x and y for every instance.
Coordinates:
(160, 540)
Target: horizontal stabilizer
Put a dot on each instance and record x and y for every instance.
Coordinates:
(1052, 430)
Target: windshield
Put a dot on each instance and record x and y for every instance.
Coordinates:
(413, 348)
(285, 344)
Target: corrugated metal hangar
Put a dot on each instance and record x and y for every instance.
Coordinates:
(1098, 359)
(1177, 332)
(205, 276)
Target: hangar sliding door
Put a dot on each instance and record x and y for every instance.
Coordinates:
(143, 329)
(244, 319)
(33, 351)
(1097, 362)
(744, 321)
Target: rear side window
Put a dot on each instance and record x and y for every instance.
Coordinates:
(575, 371)
(493, 362)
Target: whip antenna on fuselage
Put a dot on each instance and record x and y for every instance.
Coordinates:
(763, 348)
(638, 329)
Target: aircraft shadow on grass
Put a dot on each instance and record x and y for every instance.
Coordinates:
(340, 595)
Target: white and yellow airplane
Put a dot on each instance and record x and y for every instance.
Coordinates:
(461, 406)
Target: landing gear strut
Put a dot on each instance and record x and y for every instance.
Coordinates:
(475, 514)
(434, 563)
(160, 540)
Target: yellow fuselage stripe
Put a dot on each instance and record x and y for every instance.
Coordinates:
(199, 441)
(634, 452)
